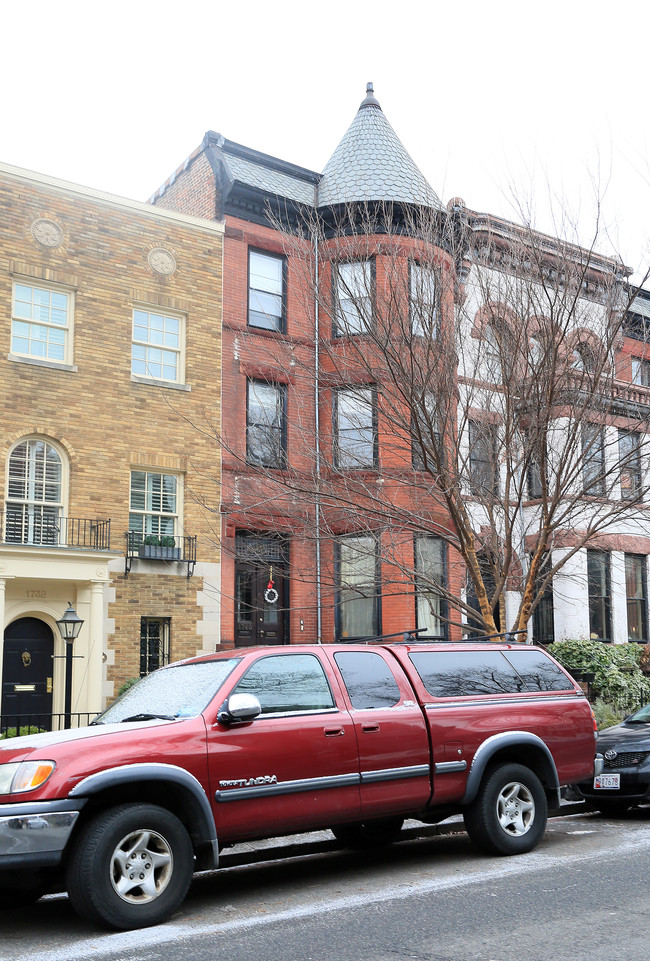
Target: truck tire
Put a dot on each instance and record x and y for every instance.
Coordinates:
(130, 867)
(509, 813)
(368, 834)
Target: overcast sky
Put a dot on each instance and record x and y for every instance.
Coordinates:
(503, 104)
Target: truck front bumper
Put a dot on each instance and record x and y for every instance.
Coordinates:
(35, 834)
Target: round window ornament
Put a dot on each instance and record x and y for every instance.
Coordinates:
(47, 232)
(162, 261)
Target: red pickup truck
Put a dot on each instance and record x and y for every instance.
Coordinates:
(269, 741)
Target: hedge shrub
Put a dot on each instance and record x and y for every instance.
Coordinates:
(618, 678)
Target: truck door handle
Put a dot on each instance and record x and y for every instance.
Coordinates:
(370, 728)
(334, 731)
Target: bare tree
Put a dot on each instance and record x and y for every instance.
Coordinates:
(470, 386)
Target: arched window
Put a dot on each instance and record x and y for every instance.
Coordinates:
(34, 493)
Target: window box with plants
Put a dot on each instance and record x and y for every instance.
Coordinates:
(161, 547)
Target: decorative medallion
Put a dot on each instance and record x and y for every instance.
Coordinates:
(47, 232)
(162, 261)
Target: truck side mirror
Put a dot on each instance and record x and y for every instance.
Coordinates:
(239, 709)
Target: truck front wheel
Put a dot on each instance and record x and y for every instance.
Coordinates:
(510, 811)
(130, 867)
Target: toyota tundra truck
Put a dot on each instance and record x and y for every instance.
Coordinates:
(262, 742)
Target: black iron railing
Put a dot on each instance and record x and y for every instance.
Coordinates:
(35, 527)
(179, 548)
(13, 725)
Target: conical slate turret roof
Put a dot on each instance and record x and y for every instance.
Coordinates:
(371, 163)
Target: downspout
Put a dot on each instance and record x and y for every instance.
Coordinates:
(319, 611)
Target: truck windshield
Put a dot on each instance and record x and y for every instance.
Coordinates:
(172, 692)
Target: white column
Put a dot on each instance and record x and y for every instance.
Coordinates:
(96, 645)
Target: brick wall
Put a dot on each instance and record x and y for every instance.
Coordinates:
(103, 421)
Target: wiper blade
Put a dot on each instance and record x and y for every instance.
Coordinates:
(149, 717)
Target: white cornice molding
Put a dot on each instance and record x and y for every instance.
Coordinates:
(21, 175)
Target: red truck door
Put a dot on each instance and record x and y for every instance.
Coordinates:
(391, 733)
(294, 767)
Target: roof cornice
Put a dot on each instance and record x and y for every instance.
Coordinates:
(66, 188)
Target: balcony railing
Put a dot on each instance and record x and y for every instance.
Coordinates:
(32, 526)
(180, 548)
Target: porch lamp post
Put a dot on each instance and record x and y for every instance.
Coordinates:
(69, 626)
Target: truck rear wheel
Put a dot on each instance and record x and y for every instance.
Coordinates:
(510, 811)
(368, 834)
(130, 867)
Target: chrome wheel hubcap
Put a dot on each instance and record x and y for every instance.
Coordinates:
(141, 867)
(515, 809)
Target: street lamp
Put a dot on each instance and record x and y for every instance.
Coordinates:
(69, 626)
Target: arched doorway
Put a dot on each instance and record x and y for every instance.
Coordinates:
(27, 668)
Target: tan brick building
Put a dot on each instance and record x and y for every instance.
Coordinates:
(110, 359)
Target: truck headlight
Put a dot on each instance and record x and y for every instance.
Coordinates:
(22, 776)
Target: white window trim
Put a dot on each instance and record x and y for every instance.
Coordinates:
(68, 349)
(180, 495)
(179, 383)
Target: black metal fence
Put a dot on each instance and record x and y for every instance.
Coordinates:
(15, 725)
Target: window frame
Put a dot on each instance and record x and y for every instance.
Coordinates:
(480, 432)
(599, 604)
(30, 507)
(280, 328)
(424, 592)
(338, 461)
(176, 517)
(66, 361)
(630, 464)
(374, 598)
(281, 408)
(164, 644)
(432, 310)
(340, 329)
(640, 371)
(593, 482)
(639, 603)
(146, 377)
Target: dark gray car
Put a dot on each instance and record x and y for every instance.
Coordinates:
(625, 780)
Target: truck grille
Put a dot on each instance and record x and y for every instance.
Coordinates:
(627, 759)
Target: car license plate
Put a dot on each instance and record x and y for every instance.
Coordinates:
(607, 782)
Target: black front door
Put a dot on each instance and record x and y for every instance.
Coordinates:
(259, 604)
(27, 674)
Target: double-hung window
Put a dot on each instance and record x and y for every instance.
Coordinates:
(593, 459)
(423, 301)
(600, 599)
(157, 347)
(430, 573)
(358, 587)
(637, 597)
(354, 288)
(265, 290)
(41, 323)
(629, 449)
(265, 424)
(483, 459)
(153, 504)
(425, 434)
(641, 372)
(355, 428)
